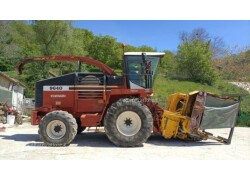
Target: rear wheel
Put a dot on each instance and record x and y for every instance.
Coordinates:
(128, 122)
(57, 128)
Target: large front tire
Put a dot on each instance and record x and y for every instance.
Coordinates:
(128, 123)
(57, 128)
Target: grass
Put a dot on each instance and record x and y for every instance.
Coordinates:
(12, 74)
(164, 87)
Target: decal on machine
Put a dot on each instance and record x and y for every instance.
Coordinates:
(77, 88)
(56, 88)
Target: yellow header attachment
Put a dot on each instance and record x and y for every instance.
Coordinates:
(186, 116)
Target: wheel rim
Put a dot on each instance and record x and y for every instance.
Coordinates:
(128, 123)
(56, 129)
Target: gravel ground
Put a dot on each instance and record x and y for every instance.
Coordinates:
(23, 142)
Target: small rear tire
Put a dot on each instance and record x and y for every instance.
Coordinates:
(57, 128)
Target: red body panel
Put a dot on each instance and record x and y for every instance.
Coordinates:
(34, 120)
(91, 120)
(59, 99)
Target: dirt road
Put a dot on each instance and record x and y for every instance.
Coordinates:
(23, 143)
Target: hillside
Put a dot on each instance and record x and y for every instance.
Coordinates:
(234, 67)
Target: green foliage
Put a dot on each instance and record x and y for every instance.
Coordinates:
(54, 37)
(168, 66)
(5, 66)
(25, 38)
(234, 67)
(195, 61)
(106, 50)
(165, 87)
(129, 48)
(9, 49)
(144, 48)
(82, 40)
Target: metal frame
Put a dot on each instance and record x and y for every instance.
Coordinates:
(229, 139)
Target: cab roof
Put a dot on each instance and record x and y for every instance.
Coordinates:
(161, 54)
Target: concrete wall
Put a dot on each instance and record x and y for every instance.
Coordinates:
(5, 84)
(17, 97)
(6, 95)
(5, 90)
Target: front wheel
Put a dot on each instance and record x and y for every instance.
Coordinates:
(128, 122)
(57, 128)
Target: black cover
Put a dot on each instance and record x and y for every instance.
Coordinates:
(68, 79)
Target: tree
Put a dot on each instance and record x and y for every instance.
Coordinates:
(26, 39)
(106, 50)
(9, 49)
(82, 40)
(17, 40)
(169, 65)
(129, 48)
(195, 61)
(54, 36)
(235, 65)
(145, 48)
(217, 45)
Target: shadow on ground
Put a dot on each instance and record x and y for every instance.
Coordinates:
(159, 140)
(99, 139)
(21, 137)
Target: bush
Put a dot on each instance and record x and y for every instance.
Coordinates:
(194, 60)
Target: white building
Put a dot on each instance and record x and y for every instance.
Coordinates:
(11, 90)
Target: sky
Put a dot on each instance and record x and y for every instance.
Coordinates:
(164, 35)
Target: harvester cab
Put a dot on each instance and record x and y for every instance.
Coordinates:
(141, 68)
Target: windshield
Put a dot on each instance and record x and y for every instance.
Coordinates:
(136, 69)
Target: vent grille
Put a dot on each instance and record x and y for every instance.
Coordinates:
(90, 94)
(91, 80)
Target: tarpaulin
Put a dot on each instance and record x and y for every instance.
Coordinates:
(219, 113)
